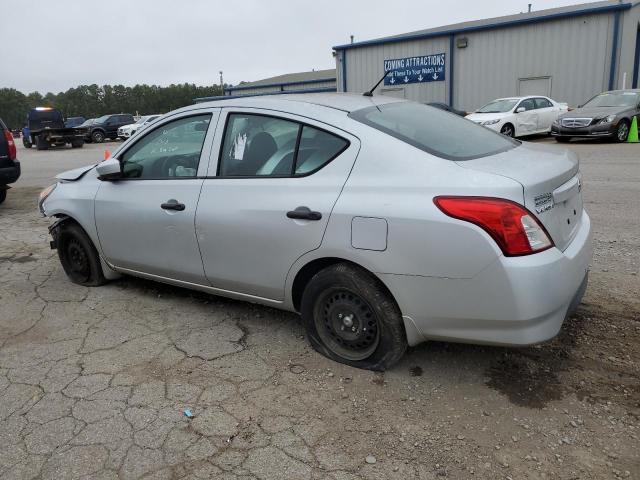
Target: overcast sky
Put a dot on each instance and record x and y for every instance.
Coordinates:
(59, 44)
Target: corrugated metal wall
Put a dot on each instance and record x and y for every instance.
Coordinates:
(285, 88)
(313, 86)
(629, 26)
(574, 53)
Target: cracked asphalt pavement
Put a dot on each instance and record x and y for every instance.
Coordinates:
(94, 381)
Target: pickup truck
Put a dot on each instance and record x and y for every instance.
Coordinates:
(45, 128)
(9, 165)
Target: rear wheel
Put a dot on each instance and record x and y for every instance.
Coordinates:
(78, 256)
(622, 132)
(77, 144)
(41, 143)
(26, 142)
(3, 194)
(508, 130)
(97, 136)
(352, 319)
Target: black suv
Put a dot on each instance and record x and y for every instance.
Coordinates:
(106, 127)
(9, 166)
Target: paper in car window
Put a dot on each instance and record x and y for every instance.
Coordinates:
(239, 145)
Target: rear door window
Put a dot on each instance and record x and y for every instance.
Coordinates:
(542, 103)
(434, 131)
(266, 146)
(317, 148)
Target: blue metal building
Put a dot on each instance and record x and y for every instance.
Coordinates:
(569, 53)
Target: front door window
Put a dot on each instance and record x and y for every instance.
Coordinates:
(170, 151)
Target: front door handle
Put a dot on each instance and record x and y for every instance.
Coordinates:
(304, 213)
(173, 205)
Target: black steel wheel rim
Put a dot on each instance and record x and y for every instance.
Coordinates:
(77, 260)
(622, 131)
(347, 324)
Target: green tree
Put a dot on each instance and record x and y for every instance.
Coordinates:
(91, 101)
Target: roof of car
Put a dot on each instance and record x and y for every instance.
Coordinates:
(347, 102)
(521, 98)
(626, 90)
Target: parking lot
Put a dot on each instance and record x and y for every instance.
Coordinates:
(94, 381)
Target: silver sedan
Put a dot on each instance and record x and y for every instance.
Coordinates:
(383, 222)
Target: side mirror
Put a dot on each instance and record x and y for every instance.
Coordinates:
(520, 109)
(110, 169)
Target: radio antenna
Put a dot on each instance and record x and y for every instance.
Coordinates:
(369, 93)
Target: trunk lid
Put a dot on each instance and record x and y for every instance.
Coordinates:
(550, 182)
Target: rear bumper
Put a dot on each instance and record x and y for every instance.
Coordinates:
(514, 301)
(10, 174)
(604, 130)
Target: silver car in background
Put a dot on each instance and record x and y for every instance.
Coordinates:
(383, 222)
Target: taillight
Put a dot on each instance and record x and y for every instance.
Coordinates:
(512, 226)
(11, 144)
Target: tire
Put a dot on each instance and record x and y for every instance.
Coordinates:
(41, 143)
(343, 297)
(3, 194)
(508, 130)
(97, 137)
(26, 143)
(78, 256)
(77, 144)
(622, 131)
(563, 139)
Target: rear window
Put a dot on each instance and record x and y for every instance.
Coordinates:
(434, 131)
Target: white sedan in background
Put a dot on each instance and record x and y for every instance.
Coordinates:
(130, 130)
(518, 116)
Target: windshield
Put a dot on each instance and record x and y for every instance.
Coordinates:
(88, 122)
(101, 119)
(499, 106)
(45, 115)
(434, 131)
(615, 99)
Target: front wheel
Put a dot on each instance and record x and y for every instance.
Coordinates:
(78, 256)
(352, 319)
(97, 137)
(622, 132)
(508, 130)
(26, 143)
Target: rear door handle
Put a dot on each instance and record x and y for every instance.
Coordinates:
(173, 205)
(304, 213)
